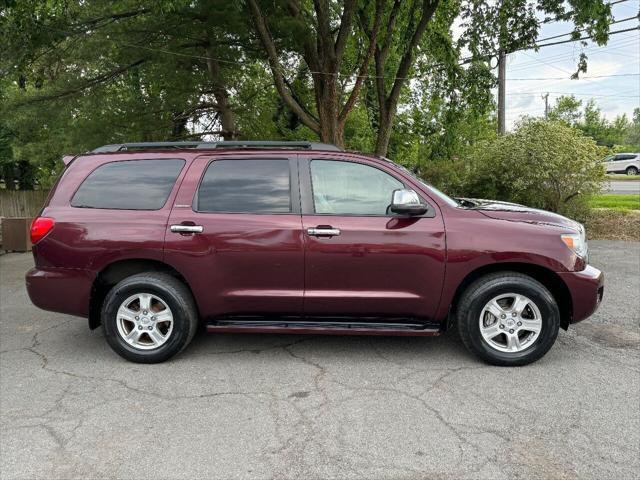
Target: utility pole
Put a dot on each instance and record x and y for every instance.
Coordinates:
(546, 105)
(502, 73)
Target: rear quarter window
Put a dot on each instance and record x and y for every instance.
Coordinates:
(129, 185)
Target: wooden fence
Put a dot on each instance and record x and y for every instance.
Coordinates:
(21, 203)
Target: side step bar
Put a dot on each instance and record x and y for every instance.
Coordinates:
(324, 328)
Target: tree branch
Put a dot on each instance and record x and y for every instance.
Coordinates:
(103, 78)
(272, 55)
(428, 9)
(364, 66)
(346, 22)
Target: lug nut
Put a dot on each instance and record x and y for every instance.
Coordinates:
(514, 314)
(519, 324)
(501, 326)
(153, 318)
(137, 318)
(144, 312)
(511, 330)
(503, 316)
(140, 327)
(150, 327)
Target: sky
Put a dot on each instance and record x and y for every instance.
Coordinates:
(532, 74)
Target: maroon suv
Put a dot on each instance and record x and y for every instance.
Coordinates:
(298, 237)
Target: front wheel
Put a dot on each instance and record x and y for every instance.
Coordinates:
(508, 319)
(149, 317)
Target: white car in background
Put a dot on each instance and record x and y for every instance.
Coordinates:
(628, 163)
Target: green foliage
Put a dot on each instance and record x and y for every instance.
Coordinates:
(547, 165)
(619, 134)
(616, 202)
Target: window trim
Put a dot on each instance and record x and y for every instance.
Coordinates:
(166, 201)
(306, 187)
(294, 187)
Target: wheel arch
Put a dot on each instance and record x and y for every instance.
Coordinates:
(548, 278)
(116, 271)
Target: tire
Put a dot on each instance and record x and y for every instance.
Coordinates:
(540, 312)
(171, 318)
(631, 171)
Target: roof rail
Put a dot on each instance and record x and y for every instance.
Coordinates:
(119, 147)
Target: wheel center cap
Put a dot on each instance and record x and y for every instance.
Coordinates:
(145, 320)
(511, 322)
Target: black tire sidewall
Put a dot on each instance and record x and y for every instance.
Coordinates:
(180, 334)
(470, 320)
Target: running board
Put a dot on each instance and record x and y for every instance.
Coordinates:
(324, 328)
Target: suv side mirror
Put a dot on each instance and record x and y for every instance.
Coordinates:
(407, 202)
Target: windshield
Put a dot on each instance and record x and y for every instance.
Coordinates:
(440, 194)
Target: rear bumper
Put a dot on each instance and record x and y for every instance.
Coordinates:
(60, 290)
(587, 289)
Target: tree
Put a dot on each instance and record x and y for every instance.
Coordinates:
(567, 110)
(633, 131)
(309, 33)
(544, 164)
(313, 38)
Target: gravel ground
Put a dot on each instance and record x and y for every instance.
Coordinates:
(278, 406)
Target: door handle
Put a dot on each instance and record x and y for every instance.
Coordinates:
(187, 228)
(323, 231)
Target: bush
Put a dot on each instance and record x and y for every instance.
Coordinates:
(541, 164)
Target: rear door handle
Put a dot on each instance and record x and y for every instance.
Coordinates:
(323, 231)
(187, 228)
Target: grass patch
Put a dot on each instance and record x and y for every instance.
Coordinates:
(616, 201)
(608, 224)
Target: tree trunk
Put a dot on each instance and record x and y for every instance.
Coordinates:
(331, 128)
(223, 107)
(385, 127)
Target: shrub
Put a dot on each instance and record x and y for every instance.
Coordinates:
(542, 164)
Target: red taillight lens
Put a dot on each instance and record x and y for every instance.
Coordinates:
(40, 227)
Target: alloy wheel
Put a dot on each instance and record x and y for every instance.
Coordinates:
(144, 321)
(510, 323)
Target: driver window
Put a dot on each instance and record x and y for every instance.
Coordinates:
(347, 188)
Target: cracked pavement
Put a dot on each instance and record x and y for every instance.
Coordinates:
(281, 406)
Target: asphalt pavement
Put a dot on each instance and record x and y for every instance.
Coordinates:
(238, 406)
(622, 187)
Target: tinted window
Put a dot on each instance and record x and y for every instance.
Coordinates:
(129, 185)
(351, 188)
(246, 186)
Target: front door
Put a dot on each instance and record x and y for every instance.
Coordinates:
(361, 260)
(235, 234)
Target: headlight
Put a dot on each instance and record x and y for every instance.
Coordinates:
(576, 242)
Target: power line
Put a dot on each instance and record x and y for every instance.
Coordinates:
(582, 78)
(635, 17)
(587, 37)
(572, 93)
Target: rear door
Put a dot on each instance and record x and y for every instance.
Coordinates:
(235, 232)
(361, 260)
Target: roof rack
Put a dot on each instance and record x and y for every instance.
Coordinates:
(119, 147)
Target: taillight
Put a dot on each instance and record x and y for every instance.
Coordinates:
(40, 227)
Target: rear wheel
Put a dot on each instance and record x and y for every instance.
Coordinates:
(508, 319)
(148, 318)
(632, 171)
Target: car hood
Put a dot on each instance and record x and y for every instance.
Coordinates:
(514, 212)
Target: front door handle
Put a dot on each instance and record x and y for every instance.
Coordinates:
(322, 231)
(187, 228)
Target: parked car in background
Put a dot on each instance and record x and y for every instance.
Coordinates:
(628, 163)
(151, 239)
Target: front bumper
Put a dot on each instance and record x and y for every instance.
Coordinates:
(60, 289)
(587, 289)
